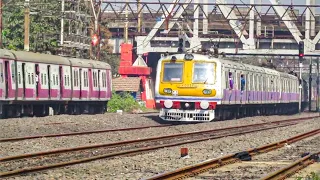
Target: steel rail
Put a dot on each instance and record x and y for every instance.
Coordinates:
(78, 133)
(92, 132)
(193, 170)
(133, 151)
(294, 167)
(145, 139)
(139, 150)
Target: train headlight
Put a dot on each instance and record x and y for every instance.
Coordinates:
(207, 91)
(168, 104)
(188, 57)
(167, 90)
(204, 105)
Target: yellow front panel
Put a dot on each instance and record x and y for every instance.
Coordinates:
(183, 86)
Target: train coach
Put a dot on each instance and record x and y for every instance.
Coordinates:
(195, 87)
(31, 83)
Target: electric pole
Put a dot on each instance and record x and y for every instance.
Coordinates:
(317, 99)
(26, 25)
(301, 55)
(310, 84)
(62, 23)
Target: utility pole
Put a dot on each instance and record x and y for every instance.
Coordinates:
(301, 55)
(126, 24)
(1, 46)
(139, 16)
(310, 84)
(62, 23)
(99, 29)
(26, 25)
(317, 99)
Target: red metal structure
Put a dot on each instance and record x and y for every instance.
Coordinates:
(127, 69)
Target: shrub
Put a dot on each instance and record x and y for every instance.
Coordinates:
(123, 101)
(311, 176)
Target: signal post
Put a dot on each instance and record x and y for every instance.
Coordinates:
(301, 55)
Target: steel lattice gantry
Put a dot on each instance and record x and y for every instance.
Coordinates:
(244, 28)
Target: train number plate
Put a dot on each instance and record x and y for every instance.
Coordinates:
(175, 92)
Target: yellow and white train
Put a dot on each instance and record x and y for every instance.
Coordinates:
(195, 87)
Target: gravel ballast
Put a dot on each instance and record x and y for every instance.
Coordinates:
(139, 166)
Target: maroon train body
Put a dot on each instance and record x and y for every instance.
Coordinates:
(32, 84)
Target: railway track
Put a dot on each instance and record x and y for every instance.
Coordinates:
(101, 131)
(14, 165)
(194, 170)
(78, 133)
(294, 167)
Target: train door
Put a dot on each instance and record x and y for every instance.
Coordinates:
(49, 80)
(37, 79)
(99, 84)
(6, 72)
(24, 79)
(80, 85)
(61, 81)
(90, 83)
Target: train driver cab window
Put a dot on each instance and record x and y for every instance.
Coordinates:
(204, 73)
(172, 72)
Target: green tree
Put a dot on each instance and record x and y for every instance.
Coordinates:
(106, 50)
(44, 25)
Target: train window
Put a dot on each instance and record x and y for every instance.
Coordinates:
(74, 78)
(172, 72)
(77, 78)
(1, 72)
(65, 80)
(29, 78)
(19, 78)
(68, 79)
(32, 78)
(84, 79)
(54, 79)
(105, 79)
(41, 78)
(203, 73)
(57, 80)
(87, 79)
(95, 79)
(45, 79)
(13, 72)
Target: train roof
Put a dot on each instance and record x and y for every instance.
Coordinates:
(231, 63)
(52, 59)
(40, 58)
(80, 62)
(99, 64)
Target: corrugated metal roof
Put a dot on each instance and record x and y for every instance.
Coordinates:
(131, 84)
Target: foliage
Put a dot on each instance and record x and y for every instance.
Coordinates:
(311, 176)
(106, 50)
(123, 101)
(44, 26)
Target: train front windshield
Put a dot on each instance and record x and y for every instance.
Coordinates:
(204, 73)
(172, 72)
